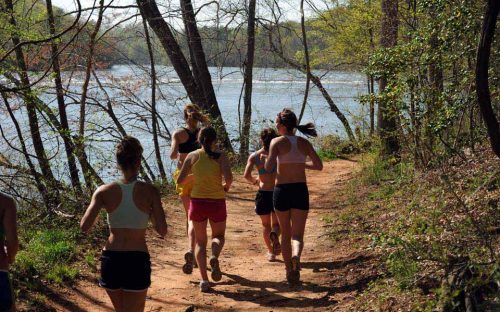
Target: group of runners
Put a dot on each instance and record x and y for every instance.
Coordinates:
(203, 177)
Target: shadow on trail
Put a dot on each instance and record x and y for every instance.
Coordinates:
(280, 294)
(337, 264)
(55, 297)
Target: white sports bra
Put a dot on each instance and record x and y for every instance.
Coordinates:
(294, 156)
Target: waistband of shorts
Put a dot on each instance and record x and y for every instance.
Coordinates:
(282, 185)
(265, 191)
(137, 253)
(209, 200)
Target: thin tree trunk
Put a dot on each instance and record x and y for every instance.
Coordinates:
(372, 105)
(248, 72)
(39, 183)
(32, 115)
(435, 77)
(306, 58)
(482, 65)
(387, 114)
(65, 134)
(154, 118)
(88, 69)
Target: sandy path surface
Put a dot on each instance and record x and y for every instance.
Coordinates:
(332, 273)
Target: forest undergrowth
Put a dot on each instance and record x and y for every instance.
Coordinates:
(435, 232)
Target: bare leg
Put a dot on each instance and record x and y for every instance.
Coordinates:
(200, 229)
(218, 237)
(134, 301)
(116, 297)
(286, 234)
(299, 218)
(266, 227)
(189, 223)
(275, 223)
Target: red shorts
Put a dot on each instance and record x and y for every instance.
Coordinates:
(201, 209)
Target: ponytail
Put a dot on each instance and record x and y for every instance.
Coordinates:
(309, 130)
(207, 136)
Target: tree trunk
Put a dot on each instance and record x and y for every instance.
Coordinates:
(482, 65)
(435, 77)
(38, 181)
(204, 78)
(154, 117)
(202, 94)
(306, 59)
(32, 115)
(387, 113)
(248, 72)
(65, 134)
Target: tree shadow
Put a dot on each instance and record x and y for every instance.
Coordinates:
(277, 294)
(271, 293)
(337, 264)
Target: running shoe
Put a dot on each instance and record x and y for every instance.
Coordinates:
(216, 272)
(187, 268)
(293, 276)
(204, 286)
(271, 257)
(275, 243)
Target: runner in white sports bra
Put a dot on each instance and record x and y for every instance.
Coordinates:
(291, 196)
(125, 261)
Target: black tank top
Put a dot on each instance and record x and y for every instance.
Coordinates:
(192, 142)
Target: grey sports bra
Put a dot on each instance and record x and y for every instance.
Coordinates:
(127, 215)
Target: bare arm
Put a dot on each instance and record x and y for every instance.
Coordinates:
(248, 171)
(158, 215)
(226, 172)
(174, 147)
(186, 169)
(10, 226)
(273, 156)
(316, 164)
(96, 204)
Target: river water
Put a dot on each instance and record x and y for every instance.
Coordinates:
(273, 89)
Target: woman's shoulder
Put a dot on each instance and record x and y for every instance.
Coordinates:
(7, 202)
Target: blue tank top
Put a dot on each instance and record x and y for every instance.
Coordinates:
(127, 215)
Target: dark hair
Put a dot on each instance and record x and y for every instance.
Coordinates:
(128, 152)
(207, 136)
(288, 119)
(266, 135)
(194, 111)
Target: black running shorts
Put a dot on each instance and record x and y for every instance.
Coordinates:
(264, 202)
(126, 270)
(6, 293)
(291, 195)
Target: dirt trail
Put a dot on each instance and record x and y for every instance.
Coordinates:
(332, 273)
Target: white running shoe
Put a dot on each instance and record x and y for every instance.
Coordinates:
(271, 257)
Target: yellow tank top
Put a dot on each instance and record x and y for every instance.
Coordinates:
(207, 178)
